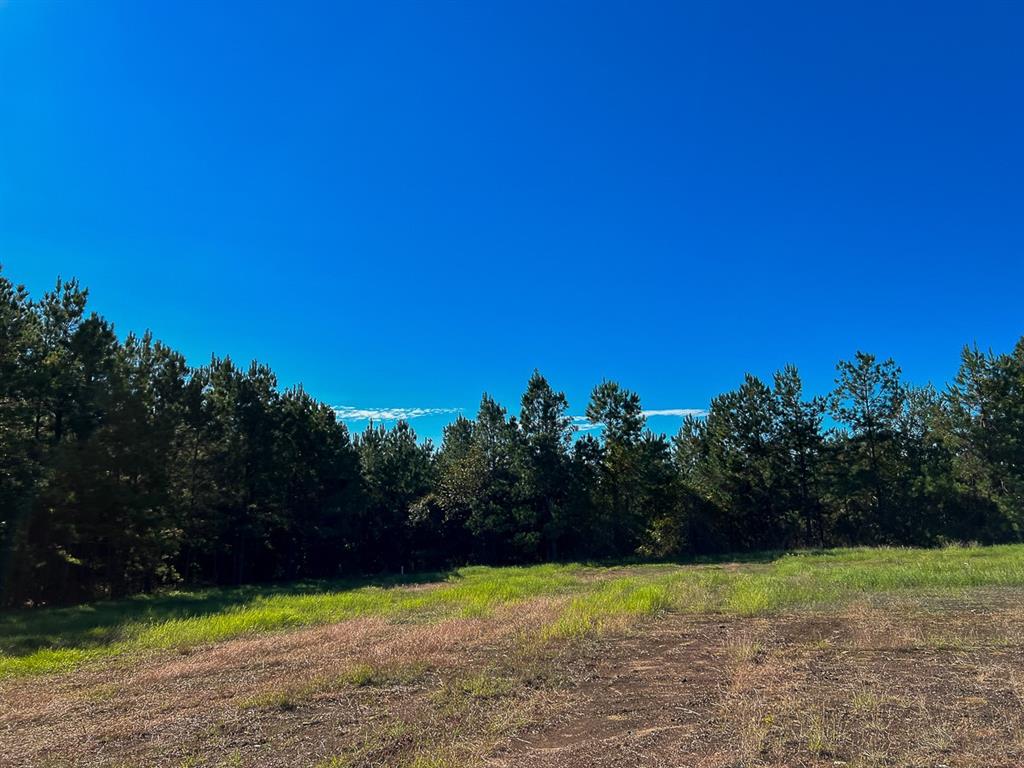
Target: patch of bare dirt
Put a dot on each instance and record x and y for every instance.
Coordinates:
(644, 691)
(874, 686)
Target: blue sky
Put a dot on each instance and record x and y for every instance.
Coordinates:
(402, 205)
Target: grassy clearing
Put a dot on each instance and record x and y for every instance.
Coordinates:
(803, 579)
(53, 640)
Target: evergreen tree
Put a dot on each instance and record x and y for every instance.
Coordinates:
(666, 512)
(22, 468)
(122, 469)
(737, 472)
(985, 433)
(547, 433)
(799, 455)
(618, 412)
(493, 466)
(397, 471)
(868, 403)
(323, 489)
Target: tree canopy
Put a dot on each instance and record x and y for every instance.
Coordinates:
(123, 469)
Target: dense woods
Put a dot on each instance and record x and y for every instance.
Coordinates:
(122, 469)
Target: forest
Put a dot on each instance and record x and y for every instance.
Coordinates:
(125, 470)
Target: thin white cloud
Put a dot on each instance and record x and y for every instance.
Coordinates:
(583, 424)
(351, 413)
(676, 412)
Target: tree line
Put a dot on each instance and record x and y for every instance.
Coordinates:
(123, 469)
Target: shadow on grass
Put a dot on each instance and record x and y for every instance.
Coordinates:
(745, 558)
(742, 558)
(89, 625)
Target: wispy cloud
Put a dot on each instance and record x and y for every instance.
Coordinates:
(583, 424)
(351, 413)
(676, 412)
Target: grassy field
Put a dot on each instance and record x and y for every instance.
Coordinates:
(51, 640)
(497, 649)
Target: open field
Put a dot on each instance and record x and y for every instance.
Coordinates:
(849, 657)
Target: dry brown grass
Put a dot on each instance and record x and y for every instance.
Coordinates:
(896, 682)
(298, 696)
(888, 684)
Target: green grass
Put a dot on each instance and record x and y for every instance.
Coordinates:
(795, 580)
(612, 600)
(53, 640)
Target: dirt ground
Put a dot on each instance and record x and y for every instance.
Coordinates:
(871, 687)
(898, 683)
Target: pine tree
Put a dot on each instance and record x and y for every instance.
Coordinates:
(619, 414)
(547, 432)
(868, 402)
(799, 455)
